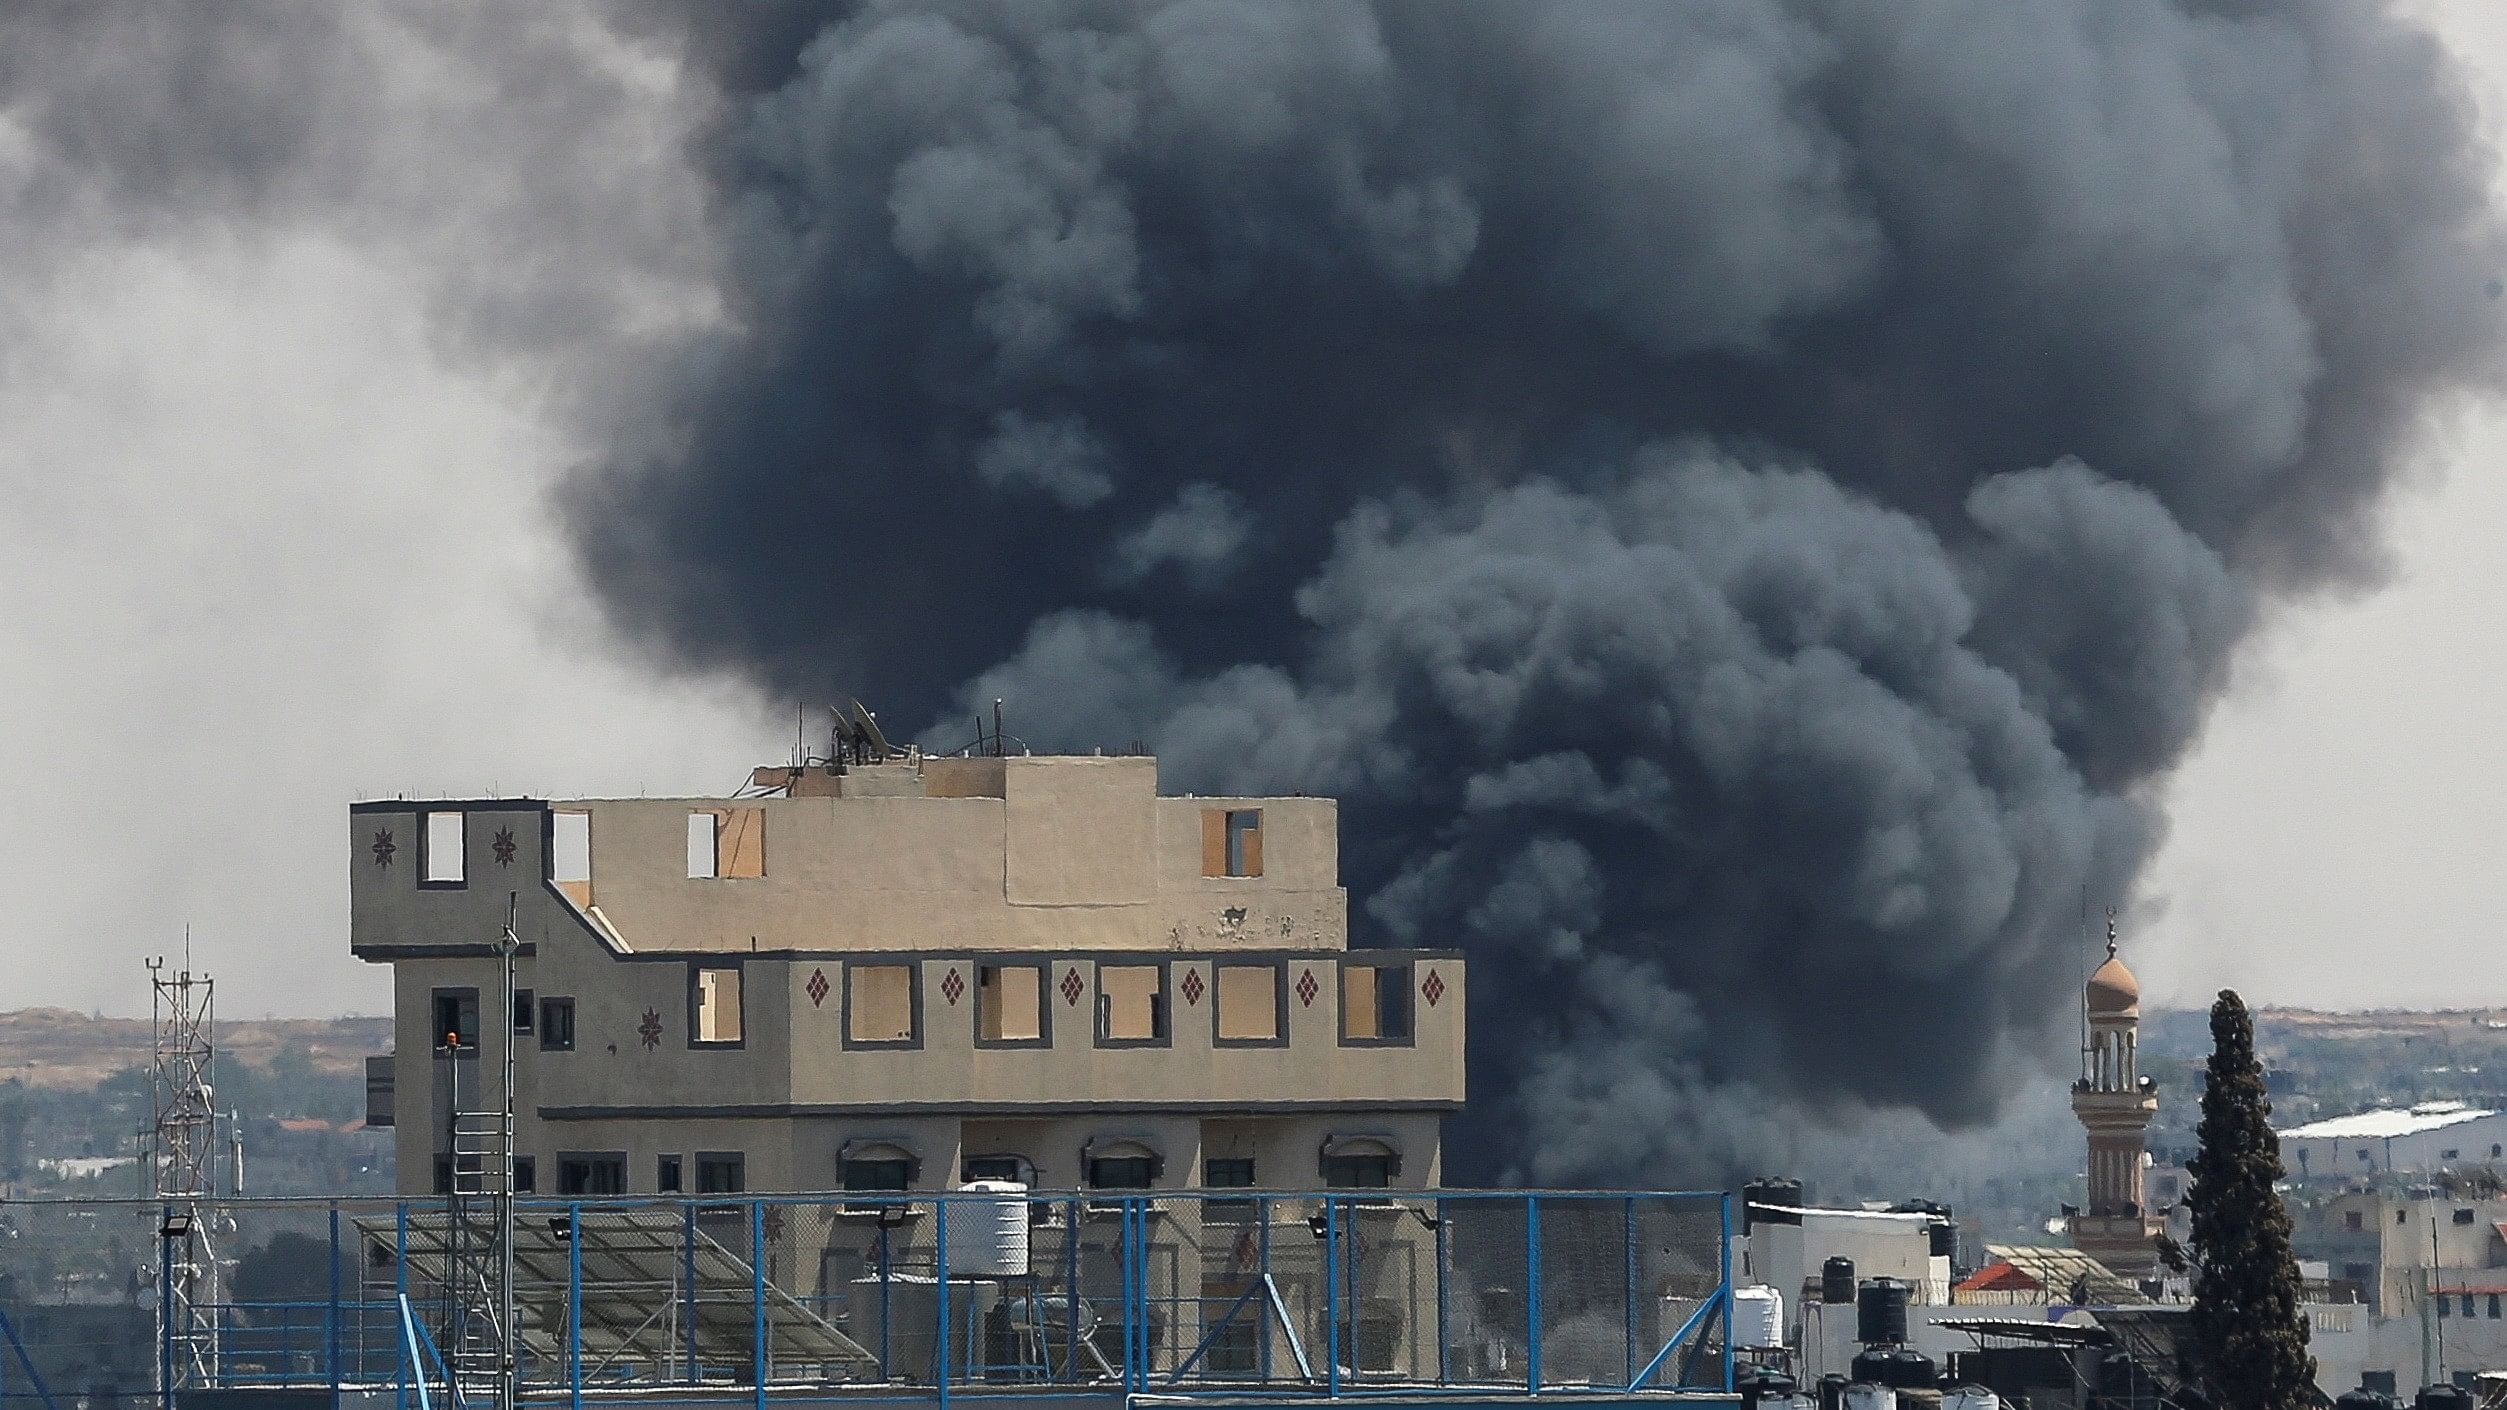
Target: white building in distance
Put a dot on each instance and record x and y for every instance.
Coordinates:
(2427, 1137)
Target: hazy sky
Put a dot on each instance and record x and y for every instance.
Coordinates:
(272, 539)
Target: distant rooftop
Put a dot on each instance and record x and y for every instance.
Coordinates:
(2387, 1124)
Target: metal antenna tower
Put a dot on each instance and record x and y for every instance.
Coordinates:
(479, 1212)
(183, 1166)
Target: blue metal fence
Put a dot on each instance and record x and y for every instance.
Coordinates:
(928, 1298)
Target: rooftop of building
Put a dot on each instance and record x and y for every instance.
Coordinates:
(2385, 1124)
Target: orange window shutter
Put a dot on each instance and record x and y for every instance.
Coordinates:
(1253, 846)
(1214, 842)
(744, 842)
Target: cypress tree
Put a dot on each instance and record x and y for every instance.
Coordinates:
(2250, 1342)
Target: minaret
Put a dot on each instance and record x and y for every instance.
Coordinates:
(2114, 1103)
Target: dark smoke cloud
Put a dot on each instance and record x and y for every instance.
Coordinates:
(1741, 500)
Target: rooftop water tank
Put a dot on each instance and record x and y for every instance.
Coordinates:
(1836, 1281)
(1763, 1386)
(1898, 1367)
(2442, 1398)
(1970, 1398)
(988, 1230)
(2365, 1399)
(1757, 1317)
(1863, 1395)
(1880, 1312)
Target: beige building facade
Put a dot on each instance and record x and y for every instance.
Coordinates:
(904, 975)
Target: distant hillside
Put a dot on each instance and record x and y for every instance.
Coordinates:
(60, 1049)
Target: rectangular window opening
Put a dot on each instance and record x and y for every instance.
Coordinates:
(443, 848)
(666, 1175)
(720, 1172)
(525, 1011)
(592, 1174)
(703, 859)
(456, 1020)
(1131, 1003)
(879, 1005)
(1010, 1003)
(998, 1167)
(570, 855)
(1228, 1173)
(1358, 1172)
(1248, 1003)
(557, 1025)
(1231, 842)
(1122, 1172)
(1375, 1002)
(714, 1004)
(526, 1175)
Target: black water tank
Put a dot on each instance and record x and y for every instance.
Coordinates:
(1761, 1383)
(2442, 1398)
(1945, 1239)
(1880, 1312)
(1898, 1367)
(1836, 1281)
(1832, 1391)
(1758, 1195)
(2365, 1399)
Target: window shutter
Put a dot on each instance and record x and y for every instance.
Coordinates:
(1214, 842)
(1253, 846)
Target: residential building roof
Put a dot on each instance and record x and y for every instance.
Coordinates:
(2385, 1125)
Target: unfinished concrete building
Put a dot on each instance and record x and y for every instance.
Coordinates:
(901, 975)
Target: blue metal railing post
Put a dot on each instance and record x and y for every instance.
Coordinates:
(1070, 1281)
(400, 1292)
(1532, 1294)
(1628, 1267)
(165, 1310)
(1444, 1279)
(940, 1263)
(330, 1316)
(687, 1283)
(574, 1306)
(757, 1303)
(1262, 1253)
(1125, 1251)
(1723, 1276)
(1331, 1296)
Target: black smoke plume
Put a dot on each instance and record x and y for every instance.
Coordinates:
(1741, 500)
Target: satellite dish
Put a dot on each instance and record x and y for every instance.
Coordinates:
(866, 729)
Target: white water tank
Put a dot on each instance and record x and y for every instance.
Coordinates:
(988, 1230)
(1757, 1316)
(1863, 1395)
(1970, 1398)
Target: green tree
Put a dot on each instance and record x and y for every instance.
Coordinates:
(2250, 1342)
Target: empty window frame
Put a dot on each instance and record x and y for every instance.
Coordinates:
(1131, 1005)
(666, 1175)
(1122, 1165)
(714, 1006)
(882, 1006)
(592, 1174)
(1375, 1002)
(876, 1168)
(1249, 1006)
(570, 855)
(557, 1025)
(1358, 1164)
(721, 1172)
(1231, 842)
(526, 1175)
(1228, 1173)
(441, 849)
(1016, 1169)
(1010, 1005)
(729, 843)
(456, 1018)
(526, 1012)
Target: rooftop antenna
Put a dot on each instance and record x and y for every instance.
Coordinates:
(183, 1167)
(996, 726)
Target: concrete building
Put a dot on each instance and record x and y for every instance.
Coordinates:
(2424, 1139)
(2115, 1103)
(900, 975)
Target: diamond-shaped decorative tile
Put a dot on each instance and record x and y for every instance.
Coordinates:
(1432, 988)
(952, 988)
(383, 848)
(1192, 987)
(1071, 987)
(817, 987)
(1307, 988)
